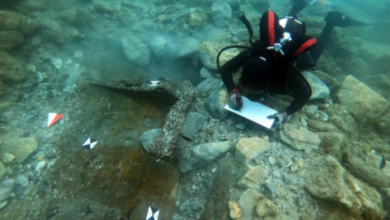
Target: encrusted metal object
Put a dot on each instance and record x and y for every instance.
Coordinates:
(161, 91)
(166, 140)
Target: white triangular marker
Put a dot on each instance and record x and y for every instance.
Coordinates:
(87, 142)
(93, 144)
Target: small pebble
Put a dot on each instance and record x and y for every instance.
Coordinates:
(8, 158)
(271, 160)
(297, 166)
(39, 167)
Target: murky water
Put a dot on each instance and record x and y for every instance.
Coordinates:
(115, 69)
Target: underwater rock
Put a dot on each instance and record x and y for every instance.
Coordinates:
(331, 143)
(3, 170)
(3, 204)
(10, 68)
(364, 103)
(135, 50)
(166, 140)
(6, 187)
(373, 176)
(207, 86)
(196, 18)
(253, 178)
(343, 120)
(8, 158)
(163, 47)
(318, 88)
(202, 155)
(311, 109)
(248, 201)
(383, 126)
(148, 137)
(56, 62)
(269, 189)
(10, 39)
(222, 14)
(163, 92)
(216, 102)
(189, 47)
(190, 206)
(326, 179)
(266, 207)
(205, 73)
(21, 147)
(235, 212)
(379, 83)
(18, 22)
(192, 125)
(31, 68)
(208, 53)
(297, 166)
(248, 148)
(299, 138)
(320, 126)
(39, 167)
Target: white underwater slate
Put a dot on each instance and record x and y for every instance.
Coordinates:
(255, 112)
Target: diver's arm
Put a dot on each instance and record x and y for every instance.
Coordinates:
(232, 65)
(303, 92)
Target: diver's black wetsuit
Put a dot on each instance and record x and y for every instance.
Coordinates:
(285, 81)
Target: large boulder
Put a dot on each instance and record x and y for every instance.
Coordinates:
(216, 102)
(326, 179)
(248, 201)
(20, 147)
(365, 104)
(299, 138)
(222, 13)
(189, 47)
(205, 73)
(202, 155)
(192, 125)
(10, 40)
(135, 50)
(248, 148)
(208, 53)
(207, 86)
(318, 88)
(14, 21)
(253, 178)
(6, 187)
(266, 207)
(148, 137)
(10, 69)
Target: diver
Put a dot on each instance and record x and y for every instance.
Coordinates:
(276, 69)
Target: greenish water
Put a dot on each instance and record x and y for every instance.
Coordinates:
(328, 162)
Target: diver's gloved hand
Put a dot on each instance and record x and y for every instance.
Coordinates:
(235, 100)
(340, 20)
(280, 118)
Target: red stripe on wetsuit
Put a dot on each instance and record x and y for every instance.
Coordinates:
(271, 28)
(306, 45)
